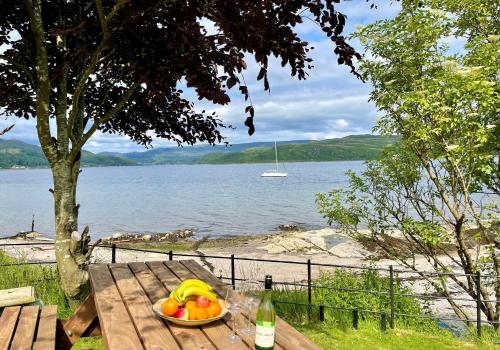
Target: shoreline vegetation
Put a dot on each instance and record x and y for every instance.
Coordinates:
(20, 155)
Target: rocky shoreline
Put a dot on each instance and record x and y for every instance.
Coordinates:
(325, 246)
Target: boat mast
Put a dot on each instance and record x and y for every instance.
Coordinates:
(276, 153)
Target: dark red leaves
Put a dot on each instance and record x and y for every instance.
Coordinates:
(250, 126)
(231, 82)
(261, 74)
(159, 44)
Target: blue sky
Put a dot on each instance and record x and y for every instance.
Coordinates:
(330, 103)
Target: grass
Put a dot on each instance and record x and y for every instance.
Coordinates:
(44, 278)
(337, 289)
(89, 343)
(335, 333)
(369, 337)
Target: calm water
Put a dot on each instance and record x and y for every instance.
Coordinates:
(212, 199)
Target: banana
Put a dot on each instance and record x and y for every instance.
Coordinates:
(194, 282)
(198, 291)
(192, 287)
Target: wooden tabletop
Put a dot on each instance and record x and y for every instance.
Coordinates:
(124, 295)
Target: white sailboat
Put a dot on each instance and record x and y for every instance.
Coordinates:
(274, 173)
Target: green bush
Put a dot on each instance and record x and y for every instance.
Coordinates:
(336, 289)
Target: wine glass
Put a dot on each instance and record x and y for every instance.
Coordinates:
(234, 308)
(251, 297)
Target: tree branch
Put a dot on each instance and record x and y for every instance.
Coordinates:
(102, 120)
(6, 130)
(104, 20)
(43, 81)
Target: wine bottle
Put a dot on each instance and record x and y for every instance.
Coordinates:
(265, 320)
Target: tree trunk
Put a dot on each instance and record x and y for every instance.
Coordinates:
(71, 248)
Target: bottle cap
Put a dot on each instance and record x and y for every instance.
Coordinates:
(268, 283)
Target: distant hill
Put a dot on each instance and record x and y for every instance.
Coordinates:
(20, 154)
(354, 147)
(192, 154)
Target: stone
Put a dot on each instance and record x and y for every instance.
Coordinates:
(147, 237)
(33, 234)
(117, 235)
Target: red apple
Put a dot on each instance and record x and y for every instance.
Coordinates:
(202, 301)
(182, 313)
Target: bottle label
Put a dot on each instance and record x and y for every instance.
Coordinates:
(264, 334)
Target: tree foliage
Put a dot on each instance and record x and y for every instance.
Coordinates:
(117, 66)
(438, 191)
(119, 63)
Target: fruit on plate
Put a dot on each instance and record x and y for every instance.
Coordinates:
(170, 307)
(202, 301)
(192, 288)
(214, 309)
(182, 313)
(192, 300)
(200, 313)
(190, 305)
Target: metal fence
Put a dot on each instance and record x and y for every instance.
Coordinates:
(385, 316)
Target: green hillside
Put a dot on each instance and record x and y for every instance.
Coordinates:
(19, 154)
(355, 147)
(192, 154)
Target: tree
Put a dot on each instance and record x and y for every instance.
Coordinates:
(438, 190)
(116, 66)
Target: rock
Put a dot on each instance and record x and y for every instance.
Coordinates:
(33, 235)
(291, 245)
(146, 237)
(288, 227)
(117, 235)
(28, 235)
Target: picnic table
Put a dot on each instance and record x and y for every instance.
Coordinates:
(22, 327)
(122, 299)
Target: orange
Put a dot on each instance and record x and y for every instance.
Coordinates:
(214, 309)
(169, 307)
(192, 316)
(190, 306)
(200, 313)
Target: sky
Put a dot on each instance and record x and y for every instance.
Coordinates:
(330, 103)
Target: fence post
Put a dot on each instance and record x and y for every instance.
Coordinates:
(321, 313)
(113, 253)
(391, 294)
(355, 319)
(478, 303)
(383, 321)
(233, 277)
(170, 255)
(309, 288)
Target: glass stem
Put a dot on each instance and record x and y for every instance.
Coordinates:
(249, 323)
(234, 325)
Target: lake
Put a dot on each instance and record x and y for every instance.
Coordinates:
(211, 199)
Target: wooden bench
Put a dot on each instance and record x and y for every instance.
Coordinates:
(17, 296)
(25, 327)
